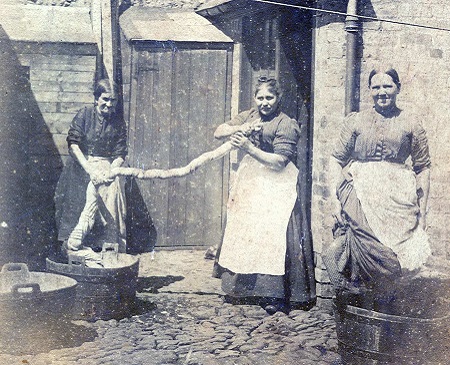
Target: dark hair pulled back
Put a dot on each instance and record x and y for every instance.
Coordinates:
(388, 71)
(271, 84)
(104, 86)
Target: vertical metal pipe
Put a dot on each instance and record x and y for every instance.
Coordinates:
(352, 29)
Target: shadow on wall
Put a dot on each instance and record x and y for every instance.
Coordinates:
(30, 166)
(141, 232)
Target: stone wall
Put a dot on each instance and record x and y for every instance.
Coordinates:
(421, 57)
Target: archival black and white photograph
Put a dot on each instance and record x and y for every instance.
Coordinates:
(224, 182)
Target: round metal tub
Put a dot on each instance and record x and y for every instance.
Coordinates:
(103, 292)
(32, 304)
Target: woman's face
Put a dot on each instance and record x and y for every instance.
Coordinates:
(266, 101)
(384, 91)
(106, 104)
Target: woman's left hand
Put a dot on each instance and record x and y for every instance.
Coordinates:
(240, 141)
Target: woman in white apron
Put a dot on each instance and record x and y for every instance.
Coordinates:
(381, 204)
(266, 255)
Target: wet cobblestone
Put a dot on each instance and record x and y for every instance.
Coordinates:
(189, 323)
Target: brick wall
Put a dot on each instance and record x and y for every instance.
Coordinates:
(328, 83)
(423, 59)
(421, 56)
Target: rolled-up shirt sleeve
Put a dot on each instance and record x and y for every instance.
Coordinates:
(345, 144)
(420, 154)
(286, 138)
(77, 128)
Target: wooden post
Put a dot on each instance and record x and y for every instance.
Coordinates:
(105, 25)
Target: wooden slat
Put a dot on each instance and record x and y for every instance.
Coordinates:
(126, 59)
(58, 123)
(126, 93)
(64, 62)
(197, 144)
(69, 107)
(141, 111)
(160, 127)
(62, 86)
(231, 109)
(52, 96)
(66, 75)
(216, 104)
(48, 107)
(55, 48)
(180, 102)
(134, 83)
(155, 104)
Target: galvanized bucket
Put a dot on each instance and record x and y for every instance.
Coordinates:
(33, 306)
(103, 292)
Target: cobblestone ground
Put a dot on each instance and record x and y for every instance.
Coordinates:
(187, 322)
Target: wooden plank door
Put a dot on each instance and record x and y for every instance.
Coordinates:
(182, 95)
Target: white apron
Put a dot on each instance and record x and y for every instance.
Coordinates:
(259, 207)
(387, 192)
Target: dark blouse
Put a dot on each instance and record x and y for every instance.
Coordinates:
(279, 134)
(368, 136)
(97, 136)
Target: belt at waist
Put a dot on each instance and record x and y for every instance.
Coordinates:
(381, 158)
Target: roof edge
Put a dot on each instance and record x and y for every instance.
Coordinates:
(176, 26)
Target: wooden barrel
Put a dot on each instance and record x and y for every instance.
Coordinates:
(367, 337)
(34, 306)
(103, 292)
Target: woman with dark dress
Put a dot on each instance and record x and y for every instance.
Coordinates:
(90, 204)
(265, 255)
(381, 168)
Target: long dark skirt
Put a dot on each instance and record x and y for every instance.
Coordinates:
(357, 259)
(296, 285)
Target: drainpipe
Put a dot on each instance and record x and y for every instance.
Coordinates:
(352, 29)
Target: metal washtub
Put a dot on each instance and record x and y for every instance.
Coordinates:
(105, 293)
(33, 306)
